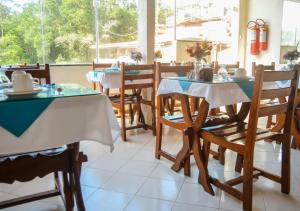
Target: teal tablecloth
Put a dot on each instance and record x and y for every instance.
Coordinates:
(18, 114)
(116, 70)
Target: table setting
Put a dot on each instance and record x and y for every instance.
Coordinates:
(36, 117)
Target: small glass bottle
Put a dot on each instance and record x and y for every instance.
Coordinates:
(223, 72)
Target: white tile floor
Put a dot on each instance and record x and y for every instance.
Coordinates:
(132, 179)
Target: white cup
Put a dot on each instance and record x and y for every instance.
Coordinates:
(240, 73)
(22, 81)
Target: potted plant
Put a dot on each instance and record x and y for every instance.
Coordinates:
(136, 56)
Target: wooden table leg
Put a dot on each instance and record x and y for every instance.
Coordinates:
(183, 156)
(203, 178)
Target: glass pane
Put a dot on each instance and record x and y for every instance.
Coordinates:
(290, 34)
(118, 29)
(290, 27)
(20, 32)
(68, 29)
(164, 31)
(55, 31)
(216, 21)
(212, 20)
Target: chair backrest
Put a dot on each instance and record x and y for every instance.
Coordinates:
(24, 67)
(227, 66)
(100, 66)
(265, 67)
(262, 106)
(137, 76)
(178, 69)
(41, 74)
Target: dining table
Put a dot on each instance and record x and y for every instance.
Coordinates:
(111, 78)
(221, 91)
(44, 127)
(61, 114)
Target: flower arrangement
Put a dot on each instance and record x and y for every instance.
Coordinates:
(136, 56)
(157, 54)
(200, 50)
(292, 55)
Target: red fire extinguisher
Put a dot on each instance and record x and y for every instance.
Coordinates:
(254, 37)
(263, 35)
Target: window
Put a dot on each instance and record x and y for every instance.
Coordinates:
(216, 21)
(290, 30)
(290, 27)
(63, 31)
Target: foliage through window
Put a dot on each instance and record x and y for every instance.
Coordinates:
(63, 31)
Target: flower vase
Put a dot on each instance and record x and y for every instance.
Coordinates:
(195, 73)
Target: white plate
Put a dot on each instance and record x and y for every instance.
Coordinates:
(11, 92)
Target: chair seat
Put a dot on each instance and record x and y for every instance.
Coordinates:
(49, 152)
(210, 120)
(235, 132)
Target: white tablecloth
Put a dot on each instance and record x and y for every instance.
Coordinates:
(65, 121)
(216, 94)
(110, 80)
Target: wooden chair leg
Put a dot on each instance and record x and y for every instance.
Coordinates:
(294, 144)
(206, 150)
(286, 165)
(153, 120)
(239, 163)
(248, 185)
(75, 180)
(69, 202)
(123, 123)
(158, 140)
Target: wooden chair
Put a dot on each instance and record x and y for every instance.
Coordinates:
(42, 74)
(175, 121)
(240, 137)
(227, 66)
(270, 123)
(27, 166)
(100, 66)
(136, 83)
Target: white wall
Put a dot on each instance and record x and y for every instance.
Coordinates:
(270, 11)
(70, 74)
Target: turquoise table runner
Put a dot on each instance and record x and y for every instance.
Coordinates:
(18, 114)
(115, 70)
(247, 86)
